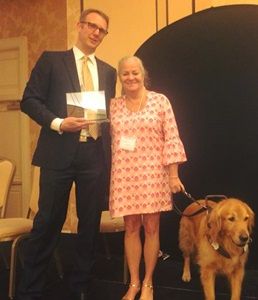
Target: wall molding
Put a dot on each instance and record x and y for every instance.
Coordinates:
(9, 105)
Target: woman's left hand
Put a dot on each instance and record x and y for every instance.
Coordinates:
(175, 184)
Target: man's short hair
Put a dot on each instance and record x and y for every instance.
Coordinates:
(88, 11)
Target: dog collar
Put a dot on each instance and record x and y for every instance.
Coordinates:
(222, 251)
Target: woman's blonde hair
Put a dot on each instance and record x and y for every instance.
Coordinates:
(146, 79)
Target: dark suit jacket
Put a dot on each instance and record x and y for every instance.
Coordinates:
(44, 99)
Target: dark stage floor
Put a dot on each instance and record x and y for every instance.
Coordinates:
(109, 280)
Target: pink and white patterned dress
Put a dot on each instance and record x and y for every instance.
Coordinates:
(139, 178)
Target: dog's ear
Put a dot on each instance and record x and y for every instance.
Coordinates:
(214, 224)
(251, 218)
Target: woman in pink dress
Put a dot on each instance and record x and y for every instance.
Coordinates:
(146, 152)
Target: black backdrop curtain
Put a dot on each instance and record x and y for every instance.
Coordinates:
(207, 64)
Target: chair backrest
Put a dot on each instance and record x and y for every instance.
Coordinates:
(7, 170)
(34, 196)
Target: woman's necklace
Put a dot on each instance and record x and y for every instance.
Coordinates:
(140, 103)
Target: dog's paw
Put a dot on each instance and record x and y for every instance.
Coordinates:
(186, 277)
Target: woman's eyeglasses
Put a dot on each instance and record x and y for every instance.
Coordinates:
(93, 27)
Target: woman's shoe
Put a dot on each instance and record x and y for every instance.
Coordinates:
(137, 288)
(149, 286)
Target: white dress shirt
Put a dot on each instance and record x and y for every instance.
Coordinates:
(92, 64)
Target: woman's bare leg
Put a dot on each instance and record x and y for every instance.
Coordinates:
(151, 249)
(133, 251)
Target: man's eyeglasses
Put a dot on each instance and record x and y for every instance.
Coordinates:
(93, 27)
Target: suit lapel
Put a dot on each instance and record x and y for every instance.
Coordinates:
(101, 74)
(70, 64)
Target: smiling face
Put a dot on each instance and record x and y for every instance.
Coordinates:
(91, 32)
(131, 75)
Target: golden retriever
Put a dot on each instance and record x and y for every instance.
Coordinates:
(218, 240)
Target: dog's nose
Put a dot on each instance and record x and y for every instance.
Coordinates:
(243, 238)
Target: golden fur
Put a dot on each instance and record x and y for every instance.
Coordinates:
(228, 225)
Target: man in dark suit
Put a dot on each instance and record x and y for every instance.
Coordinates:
(65, 156)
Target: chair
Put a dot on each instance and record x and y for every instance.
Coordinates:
(107, 225)
(7, 170)
(17, 229)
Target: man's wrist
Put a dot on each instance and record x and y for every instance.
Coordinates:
(56, 125)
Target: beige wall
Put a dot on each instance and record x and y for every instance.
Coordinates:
(131, 23)
(73, 13)
(39, 20)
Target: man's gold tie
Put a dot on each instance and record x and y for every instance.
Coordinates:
(86, 76)
(88, 86)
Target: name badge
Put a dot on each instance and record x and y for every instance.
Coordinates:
(128, 143)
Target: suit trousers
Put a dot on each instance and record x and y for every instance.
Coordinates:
(86, 171)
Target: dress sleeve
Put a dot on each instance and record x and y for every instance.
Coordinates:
(173, 151)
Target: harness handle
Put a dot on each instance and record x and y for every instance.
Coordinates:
(202, 207)
(209, 197)
(190, 197)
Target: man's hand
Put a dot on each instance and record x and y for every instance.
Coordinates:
(73, 124)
